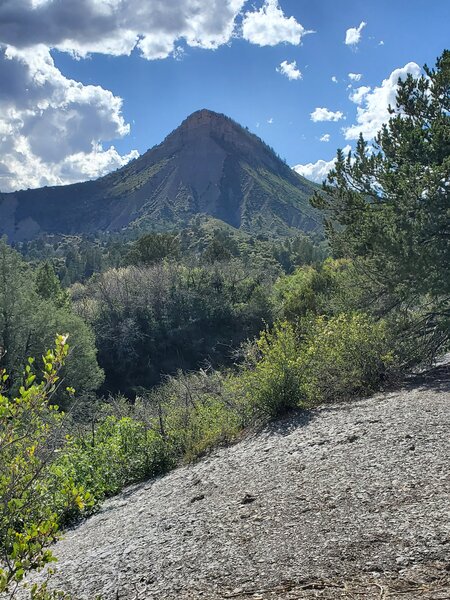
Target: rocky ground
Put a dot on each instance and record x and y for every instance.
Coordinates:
(346, 501)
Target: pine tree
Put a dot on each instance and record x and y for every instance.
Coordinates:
(387, 205)
(49, 287)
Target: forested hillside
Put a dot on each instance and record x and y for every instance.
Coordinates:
(123, 357)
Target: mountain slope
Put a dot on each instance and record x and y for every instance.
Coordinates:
(209, 165)
(349, 501)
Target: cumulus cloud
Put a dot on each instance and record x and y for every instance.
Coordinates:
(319, 170)
(355, 76)
(324, 114)
(290, 70)
(353, 35)
(334, 79)
(325, 137)
(51, 127)
(268, 26)
(373, 111)
(116, 27)
(358, 95)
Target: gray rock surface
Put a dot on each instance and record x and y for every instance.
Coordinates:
(346, 501)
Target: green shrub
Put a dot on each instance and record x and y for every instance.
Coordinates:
(329, 289)
(271, 378)
(344, 356)
(320, 360)
(197, 412)
(30, 435)
(118, 452)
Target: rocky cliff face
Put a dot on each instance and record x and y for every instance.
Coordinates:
(209, 165)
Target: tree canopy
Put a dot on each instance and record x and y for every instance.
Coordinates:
(387, 204)
(33, 309)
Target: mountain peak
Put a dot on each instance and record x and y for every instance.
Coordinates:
(209, 165)
(205, 115)
(205, 122)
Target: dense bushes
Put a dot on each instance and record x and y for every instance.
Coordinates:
(151, 321)
(30, 436)
(319, 360)
(198, 411)
(271, 378)
(344, 356)
(117, 452)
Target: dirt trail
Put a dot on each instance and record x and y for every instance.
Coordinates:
(348, 501)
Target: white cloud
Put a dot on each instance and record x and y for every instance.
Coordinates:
(270, 120)
(319, 170)
(51, 127)
(325, 137)
(353, 35)
(324, 114)
(358, 95)
(374, 111)
(268, 26)
(355, 76)
(118, 26)
(381, 43)
(290, 70)
(334, 79)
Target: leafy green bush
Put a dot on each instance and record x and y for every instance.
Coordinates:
(119, 451)
(320, 360)
(346, 355)
(328, 289)
(271, 378)
(197, 412)
(30, 431)
(301, 293)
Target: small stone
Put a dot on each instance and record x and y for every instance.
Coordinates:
(248, 499)
(197, 498)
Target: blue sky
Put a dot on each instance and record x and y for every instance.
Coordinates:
(80, 98)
